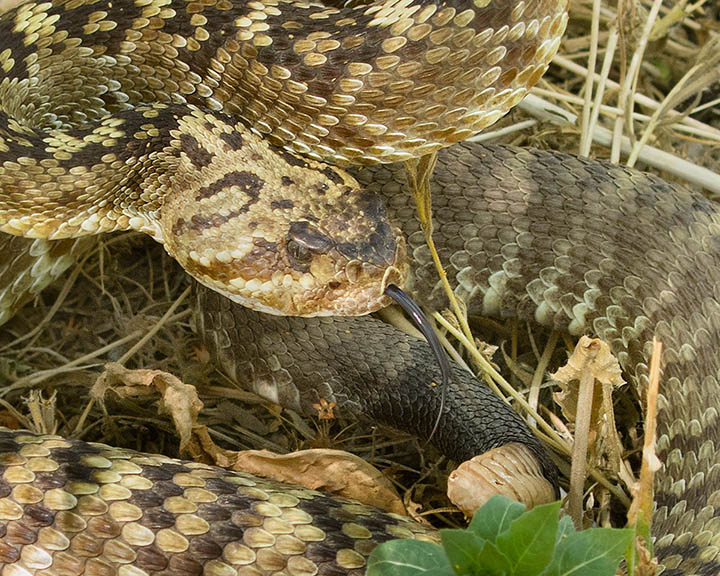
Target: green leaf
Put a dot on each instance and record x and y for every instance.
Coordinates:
(530, 541)
(408, 558)
(492, 561)
(471, 555)
(533, 543)
(495, 517)
(565, 528)
(462, 548)
(592, 552)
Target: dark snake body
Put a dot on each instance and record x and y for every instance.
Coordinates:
(575, 244)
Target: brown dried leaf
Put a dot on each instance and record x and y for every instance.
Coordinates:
(325, 409)
(590, 354)
(334, 471)
(203, 449)
(592, 357)
(178, 400)
(586, 386)
(414, 509)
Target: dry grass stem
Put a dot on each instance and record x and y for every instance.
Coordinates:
(578, 466)
(589, 79)
(703, 74)
(540, 374)
(589, 128)
(154, 330)
(639, 97)
(650, 155)
(419, 175)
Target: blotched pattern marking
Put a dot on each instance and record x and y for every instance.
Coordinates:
(88, 509)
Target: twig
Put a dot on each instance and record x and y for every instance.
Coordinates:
(592, 59)
(699, 76)
(597, 104)
(420, 172)
(628, 87)
(539, 375)
(640, 98)
(578, 466)
(652, 156)
(159, 324)
(643, 499)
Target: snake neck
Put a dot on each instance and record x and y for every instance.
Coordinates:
(370, 370)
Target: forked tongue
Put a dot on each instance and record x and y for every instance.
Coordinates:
(411, 308)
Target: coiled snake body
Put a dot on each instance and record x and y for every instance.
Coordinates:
(385, 82)
(379, 83)
(515, 243)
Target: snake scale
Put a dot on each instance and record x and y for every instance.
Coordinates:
(102, 101)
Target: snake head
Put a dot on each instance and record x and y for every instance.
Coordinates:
(274, 232)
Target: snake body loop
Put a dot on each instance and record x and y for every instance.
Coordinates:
(515, 244)
(385, 80)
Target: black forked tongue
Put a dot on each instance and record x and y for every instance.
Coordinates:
(403, 300)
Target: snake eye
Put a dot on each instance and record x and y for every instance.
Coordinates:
(298, 252)
(303, 241)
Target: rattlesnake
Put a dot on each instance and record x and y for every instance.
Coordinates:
(80, 158)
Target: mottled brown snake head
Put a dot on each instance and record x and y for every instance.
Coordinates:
(271, 231)
(274, 232)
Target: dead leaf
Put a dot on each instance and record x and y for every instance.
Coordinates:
(592, 358)
(414, 509)
(586, 385)
(178, 400)
(203, 449)
(325, 409)
(589, 355)
(334, 471)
